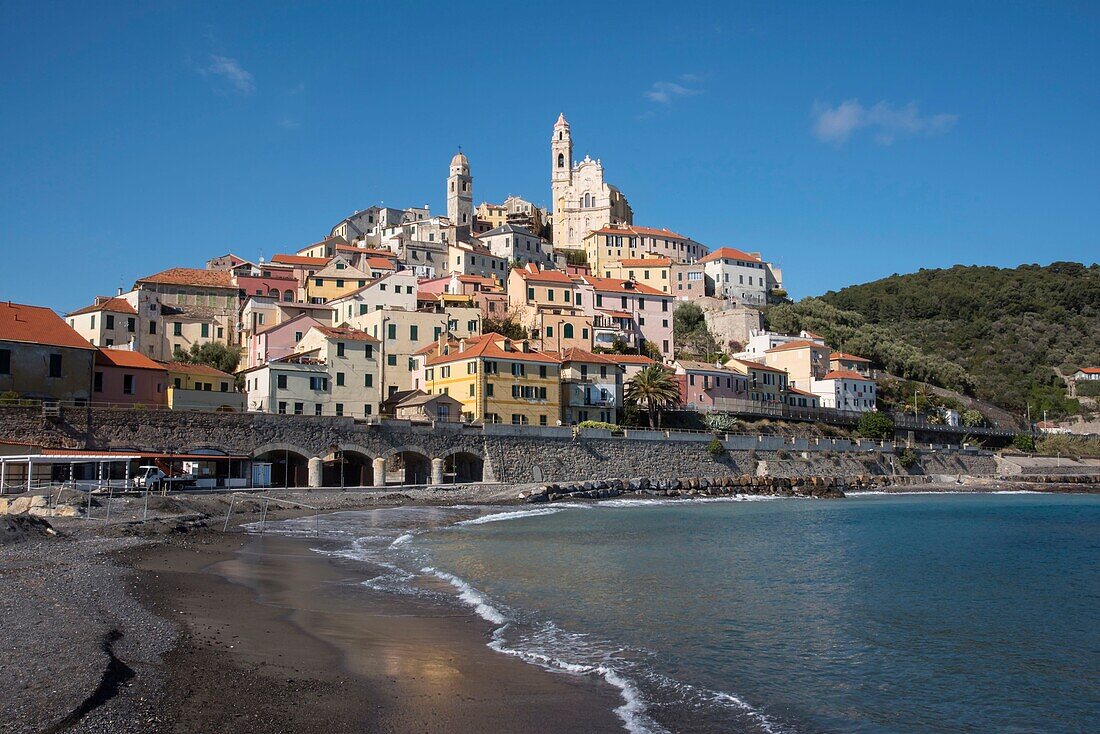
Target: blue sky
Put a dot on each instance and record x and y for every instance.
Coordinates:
(845, 141)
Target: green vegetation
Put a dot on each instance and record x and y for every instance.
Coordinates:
(575, 257)
(721, 422)
(999, 334)
(1023, 442)
(1077, 447)
(875, 425)
(907, 457)
(715, 448)
(655, 389)
(212, 354)
(507, 325)
(1089, 389)
(598, 424)
(690, 334)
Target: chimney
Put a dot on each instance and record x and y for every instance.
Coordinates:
(120, 290)
(461, 346)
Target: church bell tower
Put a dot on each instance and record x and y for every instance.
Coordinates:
(460, 193)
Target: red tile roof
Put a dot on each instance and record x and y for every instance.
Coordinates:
(346, 333)
(632, 359)
(37, 325)
(798, 344)
(195, 369)
(755, 365)
(105, 303)
(300, 260)
(621, 287)
(845, 375)
(532, 273)
(847, 357)
(126, 358)
(192, 276)
(380, 263)
(801, 392)
(641, 231)
(730, 253)
(574, 354)
(1090, 370)
(486, 346)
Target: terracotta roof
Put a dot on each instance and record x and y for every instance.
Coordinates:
(656, 262)
(801, 392)
(641, 231)
(532, 273)
(288, 322)
(731, 253)
(617, 314)
(845, 375)
(105, 303)
(755, 365)
(381, 263)
(485, 346)
(37, 325)
(192, 276)
(126, 358)
(195, 369)
(299, 260)
(573, 354)
(621, 287)
(813, 335)
(632, 359)
(346, 333)
(847, 357)
(1090, 370)
(688, 364)
(799, 344)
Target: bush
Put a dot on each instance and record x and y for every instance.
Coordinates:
(906, 458)
(721, 422)
(1072, 446)
(10, 396)
(598, 424)
(1088, 388)
(972, 418)
(715, 448)
(873, 424)
(1024, 442)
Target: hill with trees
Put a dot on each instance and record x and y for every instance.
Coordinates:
(1006, 336)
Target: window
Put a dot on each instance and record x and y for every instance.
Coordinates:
(299, 408)
(561, 159)
(542, 371)
(318, 281)
(280, 382)
(205, 331)
(297, 337)
(130, 324)
(55, 365)
(108, 321)
(530, 293)
(368, 380)
(318, 383)
(339, 409)
(177, 329)
(391, 331)
(471, 389)
(152, 327)
(127, 384)
(489, 389)
(549, 332)
(567, 331)
(97, 382)
(316, 409)
(368, 350)
(224, 387)
(177, 383)
(391, 360)
(339, 349)
(414, 332)
(542, 420)
(340, 379)
(282, 408)
(366, 409)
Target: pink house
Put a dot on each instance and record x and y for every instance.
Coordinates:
(278, 341)
(129, 378)
(702, 383)
(277, 285)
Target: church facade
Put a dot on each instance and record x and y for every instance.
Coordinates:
(582, 199)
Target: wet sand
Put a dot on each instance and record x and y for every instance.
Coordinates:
(277, 638)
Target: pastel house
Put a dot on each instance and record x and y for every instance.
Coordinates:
(124, 377)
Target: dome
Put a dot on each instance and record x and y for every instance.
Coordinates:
(460, 160)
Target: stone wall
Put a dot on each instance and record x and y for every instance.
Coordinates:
(508, 455)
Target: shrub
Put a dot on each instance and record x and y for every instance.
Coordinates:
(873, 424)
(715, 448)
(971, 418)
(1089, 388)
(598, 424)
(1024, 442)
(907, 457)
(721, 422)
(9, 396)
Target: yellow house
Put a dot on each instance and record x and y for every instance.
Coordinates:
(498, 380)
(803, 360)
(335, 280)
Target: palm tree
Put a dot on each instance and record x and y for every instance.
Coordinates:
(655, 388)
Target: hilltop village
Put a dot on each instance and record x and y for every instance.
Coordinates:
(499, 313)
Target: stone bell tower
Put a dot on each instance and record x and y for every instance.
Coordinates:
(460, 193)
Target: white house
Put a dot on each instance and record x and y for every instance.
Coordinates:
(394, 291)
(518, 245)
(845, 390)
(741, 276)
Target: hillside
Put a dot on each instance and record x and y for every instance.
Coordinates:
(1002, 335)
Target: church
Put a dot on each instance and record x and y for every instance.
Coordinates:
(582, 200)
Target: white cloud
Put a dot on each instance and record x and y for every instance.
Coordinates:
(666, 92)
(837, 124)
(289, 123)
(232, 73)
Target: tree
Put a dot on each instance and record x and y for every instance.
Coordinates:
(971, 418)
(1023, 442)
(873, 424)
(507, 325)
(213, 354)
(690, 332)
(654, 388)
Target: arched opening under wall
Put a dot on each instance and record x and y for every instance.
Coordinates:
(358, 470)
(289, 468)
(408, 467)
(462, 466)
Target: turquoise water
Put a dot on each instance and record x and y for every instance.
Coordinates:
(914, 613)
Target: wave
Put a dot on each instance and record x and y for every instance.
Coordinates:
(471, 596)
(498, 516)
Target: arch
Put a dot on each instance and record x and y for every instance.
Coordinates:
(408, 465)
(351, 466)
(561, 160)
(289, 463)
(567, 331)
(288, 296)
(462, 450)
(462, 467)
(273, 292)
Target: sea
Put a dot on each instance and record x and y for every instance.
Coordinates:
(876, 613)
